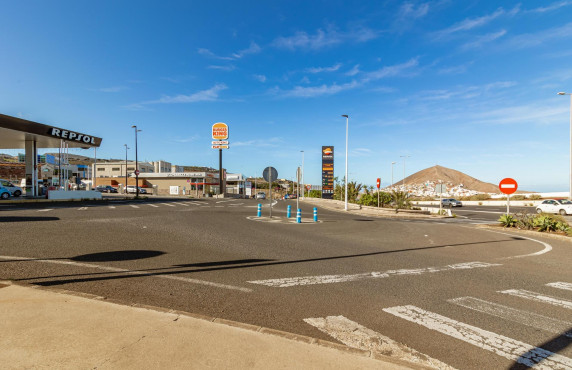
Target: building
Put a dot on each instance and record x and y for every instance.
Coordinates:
(119, 169)
(161, 167)
(197, 184)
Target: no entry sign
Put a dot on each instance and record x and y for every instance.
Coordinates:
(378, 182)
(508, 186)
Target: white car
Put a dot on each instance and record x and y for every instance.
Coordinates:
(133, 189)
(562, 206)
(13, 189)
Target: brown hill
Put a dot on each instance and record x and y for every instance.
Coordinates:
(450, 177)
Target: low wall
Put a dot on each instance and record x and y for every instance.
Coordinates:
(76, 195)
(516, 203)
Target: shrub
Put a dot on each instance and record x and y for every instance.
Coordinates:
(480, 203)
(534, 197)
(545, 222)
(525, 220)
(507, 220)
(518, 197)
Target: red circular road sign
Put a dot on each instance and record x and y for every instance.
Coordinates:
(137, 172)
(378, 182)
(508, 185)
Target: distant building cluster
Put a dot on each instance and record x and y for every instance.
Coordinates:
(427, 189)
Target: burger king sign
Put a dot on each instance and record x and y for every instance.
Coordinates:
(220, 131)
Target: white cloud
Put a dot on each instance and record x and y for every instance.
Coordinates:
(551, 7)
(263, 143)
(409, 11)
(252, 49)
(324, 69)
(186, 139)
(313, 91)
(535, 39)
(471, 23)
(204, 95)
(322, 39)
(112, 89)
(354, 71)
(481, 40)
(361, 152)
(227, 68)
(395, 70)
(261, 78)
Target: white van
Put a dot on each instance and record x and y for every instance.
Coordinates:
(16, 191)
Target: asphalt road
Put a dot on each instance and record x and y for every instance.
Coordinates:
(472, 298)
(490, 214)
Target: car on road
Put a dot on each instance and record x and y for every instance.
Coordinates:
(290, 196)
(106, 189)
(561, 206)
(13, 189)
(133, 189)
(4, 193)
(261, 195)
(450, 202)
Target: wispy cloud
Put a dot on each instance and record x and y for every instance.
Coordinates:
(465, 92)
(113, 89)
(354, 71)
(394, 70)
(200, 96)
(324, 69)
(252, 49)
(186, 139)
(550, 7)
(454, 70)
(323, 38)
(263, 143)
(471, 23)
(314, 91)
(261, 78)
(481, 40)
(409, 11)
(361, 152)
(227, 68)
(534, 39)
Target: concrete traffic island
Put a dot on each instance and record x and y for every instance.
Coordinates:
(67, 330)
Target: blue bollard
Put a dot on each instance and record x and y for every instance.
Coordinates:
(289, 211)
(299, 216)
(315, 214)
(259, 214)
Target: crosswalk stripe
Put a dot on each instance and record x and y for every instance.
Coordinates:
(539, 297)
(45, 210)
(152, 205)
(167, 204)
(355, 335)
(328, 279)
(133, 206)
(112, 207)
(561, 285)
(506, 347)
(183, 204)
(82, 208)
(512, 314)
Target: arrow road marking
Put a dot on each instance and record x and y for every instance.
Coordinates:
(355, 335)
(537, 297)
(509, 348)
(328, 279)
(560, 285)
(512, 314)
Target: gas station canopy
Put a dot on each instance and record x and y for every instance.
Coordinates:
(14, 132)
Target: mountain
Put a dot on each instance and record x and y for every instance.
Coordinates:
(450, 177)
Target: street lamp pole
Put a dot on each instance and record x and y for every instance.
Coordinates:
(392, 163)
(303, 188)
(125, 188)
(136, 164)
(563, 93)
(404, 157)
(346, 191)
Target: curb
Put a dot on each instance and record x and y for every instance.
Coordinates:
(526, 232)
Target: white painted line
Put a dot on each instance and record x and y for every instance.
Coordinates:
(131, 272)
(112, 207)
(45, 210)
(355, 335)
(506, 347)
(167, 204)
(183, 204)
(537, 297)
(328, 279)
(547, 247)
(152, 205)
(82, 208)
(560, 285)
(131, 205)
(197, 203)
(219, 206)
(236, 204)
(519, 316)
(225, 201)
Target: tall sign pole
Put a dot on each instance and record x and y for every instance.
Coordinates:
(220, 137)
(327, 172)
(508, 186)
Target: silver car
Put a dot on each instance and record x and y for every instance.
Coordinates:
(261, 195)
(450, 202)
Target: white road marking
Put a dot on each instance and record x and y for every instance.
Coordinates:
(130, 272)
(547, 247)
(45, 210)
(219, 206)
(519, 316)
(506, 347)
(560, 285)
(197, 203)
(183, 204)
(328, 279)
(355, 335)
(112, 207)
(152, 205)
(224, 201)
(236, 204)
(82, 208)
(167, 204)
(131, 205)
(537, 297)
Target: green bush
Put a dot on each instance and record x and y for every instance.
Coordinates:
(315, 194)
(544, 222)
(518, 197)
(534, 197)
(507, 220)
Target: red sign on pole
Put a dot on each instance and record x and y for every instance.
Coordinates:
(508, 186)
(378, 182)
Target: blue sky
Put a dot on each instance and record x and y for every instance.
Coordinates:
(467, 85)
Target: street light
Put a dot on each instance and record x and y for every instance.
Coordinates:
(303, 189)
(346, 191)
(136, 164)
(392, 163)
(125, 188)
(404, 157)
(563, 93)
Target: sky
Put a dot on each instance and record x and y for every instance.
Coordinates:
(468, 85)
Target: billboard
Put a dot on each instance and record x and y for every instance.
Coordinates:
(328, 172)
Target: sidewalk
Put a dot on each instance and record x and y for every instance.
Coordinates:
(57, 329)
(338, 205)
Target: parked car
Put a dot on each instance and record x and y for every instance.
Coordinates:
(261, 195)
(562, 206)
(133, 189)
(4, 193)
(451, 202)
(13, 189)
(106, 189)
(290, 196)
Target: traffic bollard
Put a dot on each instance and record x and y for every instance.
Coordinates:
(289, 211)
(315, 214)
(299, 216)
(259, 210)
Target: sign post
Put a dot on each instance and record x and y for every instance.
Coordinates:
(508, 186)
(378, 184)
(440, 188)
(327, 172)
(270, 174)
(220, 133)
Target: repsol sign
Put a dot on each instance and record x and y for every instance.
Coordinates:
(72, 136)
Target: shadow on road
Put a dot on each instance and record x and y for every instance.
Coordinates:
(26, 219)
(535, 356)
(126, 255)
